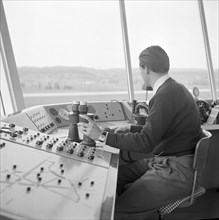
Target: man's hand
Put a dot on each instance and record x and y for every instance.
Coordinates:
(142, 109)
(123, 129)
(90, 129)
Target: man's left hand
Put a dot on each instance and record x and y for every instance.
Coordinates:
(91, 129)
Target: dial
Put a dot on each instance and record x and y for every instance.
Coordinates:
(64, 114)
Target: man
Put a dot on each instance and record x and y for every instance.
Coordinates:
(171, 132)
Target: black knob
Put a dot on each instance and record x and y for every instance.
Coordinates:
(28, 189)
(81, 154)
(96, 117)
(2, 144)
(13, 135)
(60, 148)
(39, 142)
(8, 176)
(20, 132)
(49, 146)
(91, 157)
(87, 195)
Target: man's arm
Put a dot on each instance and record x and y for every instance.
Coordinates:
(161, 115)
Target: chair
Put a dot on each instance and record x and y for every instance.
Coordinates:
(199, 163)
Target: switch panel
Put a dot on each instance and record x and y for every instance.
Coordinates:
(107, 111)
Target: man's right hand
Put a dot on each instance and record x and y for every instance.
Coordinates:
(123, 129)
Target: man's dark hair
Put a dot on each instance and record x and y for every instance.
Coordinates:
(155, 58)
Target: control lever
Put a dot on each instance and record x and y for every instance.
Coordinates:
(73, 135)
(139, 112)
(83, 109)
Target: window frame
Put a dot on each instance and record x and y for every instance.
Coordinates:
(8, 63)
(207, 50)
(11, 72)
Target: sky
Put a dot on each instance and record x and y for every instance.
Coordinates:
(88, 33)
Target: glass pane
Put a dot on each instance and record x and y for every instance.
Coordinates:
(212, 20)
(176, 27)
(6, 105)
(68, 50)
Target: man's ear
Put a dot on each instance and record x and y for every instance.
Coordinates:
(147, 69)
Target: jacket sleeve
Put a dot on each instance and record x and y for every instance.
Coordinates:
(136, 128)
(161, 114)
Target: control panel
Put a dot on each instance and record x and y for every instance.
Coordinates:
(59, 113)
(103, 111)
(54, 144)
(106, 111)
(48, 118)
(41, 119)
(44, 176)
(35, 118)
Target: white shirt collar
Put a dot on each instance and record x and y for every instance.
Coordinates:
(160, 82)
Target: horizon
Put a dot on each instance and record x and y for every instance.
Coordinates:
(68, 66)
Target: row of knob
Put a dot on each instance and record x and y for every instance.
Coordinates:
(43, 129)
(47, 127)
(70, 150)
(13, 126)
(80, 151)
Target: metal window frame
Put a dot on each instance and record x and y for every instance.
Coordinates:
(207, 50)
(9, 65)
(127, 52)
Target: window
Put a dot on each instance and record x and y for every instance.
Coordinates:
(73, 50)
(67, 50)
(175, 26)
(212, 14)
(5, 100)
(11, 98)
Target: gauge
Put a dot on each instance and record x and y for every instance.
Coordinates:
(53, 111)
(64, 114)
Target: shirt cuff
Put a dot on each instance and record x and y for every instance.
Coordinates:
(103, 137)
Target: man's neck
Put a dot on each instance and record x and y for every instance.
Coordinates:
(155, 77)
(159, 81)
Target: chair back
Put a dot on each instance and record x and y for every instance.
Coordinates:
(201, 151)
(199, 163)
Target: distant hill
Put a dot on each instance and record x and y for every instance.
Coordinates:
(82, 79)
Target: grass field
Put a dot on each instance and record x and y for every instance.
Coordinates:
(64, 84)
